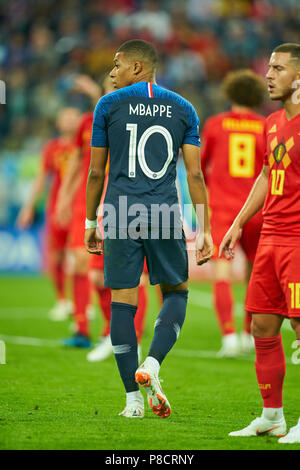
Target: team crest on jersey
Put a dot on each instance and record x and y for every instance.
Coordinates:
(279, 152)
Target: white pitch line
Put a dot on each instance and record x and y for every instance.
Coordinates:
(24, 309)
(27, 341)
(52, 343)
(213, 355)
(207, 354)
(205, 300)
(23, 312)
(196, 297)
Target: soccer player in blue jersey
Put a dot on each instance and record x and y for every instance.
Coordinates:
(143, 126)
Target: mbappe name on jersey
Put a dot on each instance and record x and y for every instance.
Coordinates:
(141, 109)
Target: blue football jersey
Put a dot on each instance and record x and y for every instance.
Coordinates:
(144, 126)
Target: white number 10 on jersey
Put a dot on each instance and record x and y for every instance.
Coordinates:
(139, 148)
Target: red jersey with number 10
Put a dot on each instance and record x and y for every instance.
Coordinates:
(231, 158)
(281, 211)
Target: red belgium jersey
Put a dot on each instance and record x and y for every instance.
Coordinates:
(83, 142)
(55, 156)
(231, 158)
(281, 211)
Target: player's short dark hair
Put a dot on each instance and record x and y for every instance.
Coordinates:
(245, 88)
(140, 50)
(292, 48)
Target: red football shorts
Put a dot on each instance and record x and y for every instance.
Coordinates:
(96, 262)
(221, 223)
(56, 236)
(274, 286)
(77, 228)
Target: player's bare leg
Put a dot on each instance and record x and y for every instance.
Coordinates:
(293, 436)
(166, 332)
(224, 303)
(270, 371)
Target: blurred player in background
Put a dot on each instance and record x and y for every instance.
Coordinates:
(70, 212)
(232, 157)
(274, 288)
(55, 156)
(124, 121)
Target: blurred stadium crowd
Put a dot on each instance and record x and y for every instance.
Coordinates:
(45, 44)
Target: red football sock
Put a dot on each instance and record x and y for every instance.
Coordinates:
(223, 303)
(247, 322)
(58, 277)
(81, 293)
(140, 316)
(270, 370)
(105, 300)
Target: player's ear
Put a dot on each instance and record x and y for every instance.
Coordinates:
(137, 67)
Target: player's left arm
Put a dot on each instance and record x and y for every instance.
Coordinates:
(253, 204)
(198, 193)
(68, 188)
(26, 214)
(94, 190)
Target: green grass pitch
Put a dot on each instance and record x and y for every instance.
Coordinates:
(52, 398)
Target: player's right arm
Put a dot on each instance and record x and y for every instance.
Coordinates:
(253, 204)
(198, 193)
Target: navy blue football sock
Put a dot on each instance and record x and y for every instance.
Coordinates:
(168, 324)
(123, 338)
